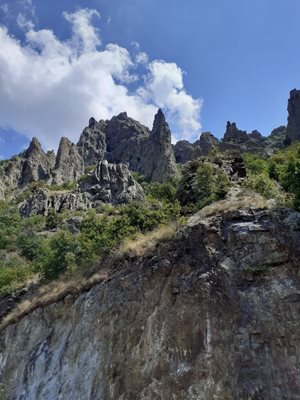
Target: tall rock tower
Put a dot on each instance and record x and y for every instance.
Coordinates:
(293, 128)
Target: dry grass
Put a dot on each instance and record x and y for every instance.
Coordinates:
(52, 293)
(143, 244)
(69, 287)
(237, 199)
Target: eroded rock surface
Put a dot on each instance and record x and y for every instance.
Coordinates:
(124, 140)
(112, 184)
(107, 184)
(42, 201)
(293, 128)
(185, 151)
(212, 314)
(69, 165)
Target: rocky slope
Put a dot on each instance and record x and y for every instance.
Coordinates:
(107, 184)
(212, 313)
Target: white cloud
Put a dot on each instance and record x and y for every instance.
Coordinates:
(50, 88)
(164, 86)
(141, 58)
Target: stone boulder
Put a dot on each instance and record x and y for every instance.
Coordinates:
(112, 184)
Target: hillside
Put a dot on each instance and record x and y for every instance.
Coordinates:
(132, 268)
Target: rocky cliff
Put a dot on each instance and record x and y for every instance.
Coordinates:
(212, 313)
(124, 140)
(293, 128)
(107, 184)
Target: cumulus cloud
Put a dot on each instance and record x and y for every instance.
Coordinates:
(50, 88)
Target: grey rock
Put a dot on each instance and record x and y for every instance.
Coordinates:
(69, 165)
(112, 184)
(207, 142)
(124, 140)
(92, 142)
(37, 165)
(30, 166)
(185, 151)
(234, 134)
(221, 323)
(164, 164)
(293, 127)
(43, 200)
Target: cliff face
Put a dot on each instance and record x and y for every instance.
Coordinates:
(293, 128)
(211, 314)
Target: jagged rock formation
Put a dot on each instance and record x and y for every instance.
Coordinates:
(185, 151)
(42, 201)
(293, 128)
(112, 184)
(37, 164)
(237, 140)
(124, 140)
(69, 165)
(108, 183)
(211, 315)
(92, 142)
(30, 166)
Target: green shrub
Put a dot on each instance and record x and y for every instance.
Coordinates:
(202, 183)
(53, 219)
(13, 271)
(62, 249)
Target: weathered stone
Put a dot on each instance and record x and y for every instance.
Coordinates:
(219, 324)
(234, 134)
(37, 164)
(112, 183)
(185, 151)
(92, 142)
(69, 165)
(124, 140)
(293, 128)
(43, 200)
(164, 165)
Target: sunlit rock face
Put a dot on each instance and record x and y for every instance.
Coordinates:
(211, 314)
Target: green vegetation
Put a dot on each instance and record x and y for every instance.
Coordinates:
(44, 246)
(277, 177)
(202, 183)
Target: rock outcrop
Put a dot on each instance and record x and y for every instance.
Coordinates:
(112, 184)
(37, 165)
(185, 151)
(107, 184)
(237, 140)
(124, 140)
(293, 128)
(30, 166)
(42, 201)
(92, 142)
(162, 157)
(212, 314)
(69, 165)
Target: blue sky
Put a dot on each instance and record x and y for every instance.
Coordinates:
(237, 59)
